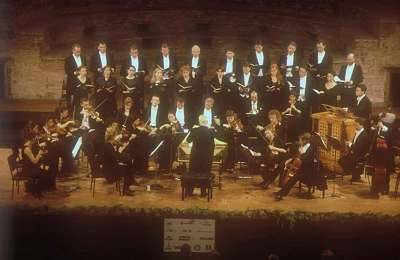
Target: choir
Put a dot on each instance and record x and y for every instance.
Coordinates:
(259, 107)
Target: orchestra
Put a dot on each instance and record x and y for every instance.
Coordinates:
(121, 118)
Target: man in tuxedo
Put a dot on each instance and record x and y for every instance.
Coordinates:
(182, 115)
(358, 148)
(231, 65)
(350, 75)
(202, 152)
(290, 62)
(259, 60)
(304, 173)
(362, 105)
(209, 112)
(71, 65)
(320, 62)
(154, 114)
(166, 61)
(135, 60)
(101, 59)
(198, 65)
(302, 87)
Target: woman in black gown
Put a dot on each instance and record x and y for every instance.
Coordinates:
(331, 90)
(131, 88)
(106, 87)
(82, 88)
(160, 87)
(221, 92)
(274, 91)
(187, 89)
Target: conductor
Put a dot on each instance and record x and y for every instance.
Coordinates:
(202, 152)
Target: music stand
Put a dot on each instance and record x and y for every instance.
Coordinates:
(335, 144)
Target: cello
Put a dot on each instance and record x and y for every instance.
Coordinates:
(379, 163)
(291, 167)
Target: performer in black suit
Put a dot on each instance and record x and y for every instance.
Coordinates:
(350, 75)
(245, 83)
(290, 62)
(273, 90)
(202, 151)
(221, 90)
(305, 172)
(320, 62)
(198, 67)
(71, 65)
(188, 89)
(183, 115)
(166, 62)
(357, 150)
(101, 59)
(259, 60)
(209, 112)
(362, 105)
(106, 87)
(127, 114)
(231, 64)
(136, 60)
(155, 115)
(131, 86)
(302, 86)
(81, 87)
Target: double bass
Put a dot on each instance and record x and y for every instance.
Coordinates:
(380, 163)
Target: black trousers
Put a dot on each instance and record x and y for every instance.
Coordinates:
(289, 185)
(348, 164)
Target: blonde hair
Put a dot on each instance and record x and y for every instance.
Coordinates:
(184, 68)
(153, 76)
(279, 76)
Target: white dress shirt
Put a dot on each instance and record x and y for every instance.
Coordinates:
(180, 115)
(303, 149)
(349, 72)
(153, 116)
(78, 60)
(195, 62)
(229, 66)
(254, 107)
(135, 63)
(289, 59)
(85, 120)
(103, 59)
(246, 78)
(358, 132)
(303, 82)
(208, 114)
(321, 56)
(359, 99)
(260, 57)
(166, 61)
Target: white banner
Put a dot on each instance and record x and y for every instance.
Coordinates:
(198, 233)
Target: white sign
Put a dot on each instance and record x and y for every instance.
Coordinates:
(198, 233)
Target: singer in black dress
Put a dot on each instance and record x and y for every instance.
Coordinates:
(106, 87)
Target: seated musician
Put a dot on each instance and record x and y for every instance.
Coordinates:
(357, 150)
(270, 154)
(139, 147)
(292, 118)
(155, 114)
(232, 132)
(202, 152)
(254, 108)
(33, 166)
(362, 105)
(168, 132)
(127, 114)
(275, 125)
(66, 130)
(304, 173)
(182, 114)
(115, 164)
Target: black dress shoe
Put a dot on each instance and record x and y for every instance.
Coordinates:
(356, 180)
(278, 196)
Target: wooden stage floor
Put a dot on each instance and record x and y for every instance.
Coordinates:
(234, 196)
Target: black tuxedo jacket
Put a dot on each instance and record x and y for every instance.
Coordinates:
(361, 146)
(309, 87)
(252, 58)
(161, 116)
(95, 62)
(173, 63)
(202, 150)
(296, 63)
(252, 84)
(127, 64)
(188, 118)
(307, 161)
(363, 109)
(70, 65)
(324, 67)
(356, 77)
(202, 71)
(236, 66)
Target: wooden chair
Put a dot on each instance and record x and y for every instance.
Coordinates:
(16, 173)
(197, 181)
